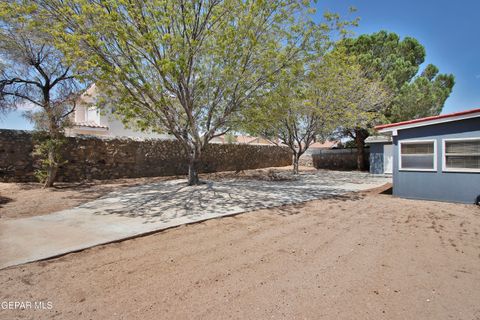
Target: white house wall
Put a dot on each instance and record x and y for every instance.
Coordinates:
(117, 129)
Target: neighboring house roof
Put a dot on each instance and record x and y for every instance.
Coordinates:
(325, 145)
(89, 124)
(246, 139)
(242, 140)
(88, 95)
(429, 121)
(378, 139)
(253, 140)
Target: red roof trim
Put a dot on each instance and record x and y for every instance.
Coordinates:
(442, 116)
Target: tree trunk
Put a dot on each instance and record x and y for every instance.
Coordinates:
(296, 158)
(54, 132)
(194, 164)
(360, 136)
(193, 179)
(360, 157)
(52, 155)
(51, 170)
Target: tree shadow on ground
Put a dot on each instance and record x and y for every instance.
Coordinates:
(388, 191)
(163, 202)
(297, 208)
(4, 200)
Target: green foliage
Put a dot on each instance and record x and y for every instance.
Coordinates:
(385, 57)
(359, 101)
(290, 113)
(36, 74)
(349, 144)
(312, 99)
(188, 68)
(230, 138)
(298, 109)
(32, 71)
(180, 67)
(48, 153)
(422, 97)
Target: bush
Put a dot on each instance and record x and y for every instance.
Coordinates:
(48, 153)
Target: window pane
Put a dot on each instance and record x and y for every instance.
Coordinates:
(417, 148)
(463, 162)
(417, 162)
(463, 147)
(462, 154)
(417, 155)
(93, 115)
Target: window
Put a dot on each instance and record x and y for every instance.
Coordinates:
(92, 115)
(418, 155)
(461, 155)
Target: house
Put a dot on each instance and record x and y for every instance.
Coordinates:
(237, 139)
(381, 154)
(433, 158)
(315, 148)
(328, 144)
(88, 119)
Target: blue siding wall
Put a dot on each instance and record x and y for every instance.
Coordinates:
(442, 186)
(376, 157)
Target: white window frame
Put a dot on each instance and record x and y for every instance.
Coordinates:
(444, 155)
(89, 110)
(401, 142)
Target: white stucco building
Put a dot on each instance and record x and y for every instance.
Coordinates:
(88, 119)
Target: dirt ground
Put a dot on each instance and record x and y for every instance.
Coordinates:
(360, 256)
(20, 200)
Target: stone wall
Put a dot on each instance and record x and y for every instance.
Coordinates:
(101, 158)
(16, 156)
(338, 159)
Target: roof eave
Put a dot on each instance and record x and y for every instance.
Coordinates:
(426, 122)
(90, 128)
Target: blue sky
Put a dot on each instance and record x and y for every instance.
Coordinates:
(449, 30)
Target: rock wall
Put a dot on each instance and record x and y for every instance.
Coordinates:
(100, 158)
(338, 159)
(16, 162)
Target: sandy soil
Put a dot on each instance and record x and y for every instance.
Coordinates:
(361, 256)
(20, 200)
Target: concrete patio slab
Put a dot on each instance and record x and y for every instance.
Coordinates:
(148, 208)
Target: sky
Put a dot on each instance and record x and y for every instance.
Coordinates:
(448, 29)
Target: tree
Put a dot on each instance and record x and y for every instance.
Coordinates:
(34, 73)
(359, 102)
(183, 67)
(385, 57)
(294, 112)
(424, 96)
(283, 116)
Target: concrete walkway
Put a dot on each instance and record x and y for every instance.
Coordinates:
(143, 209)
